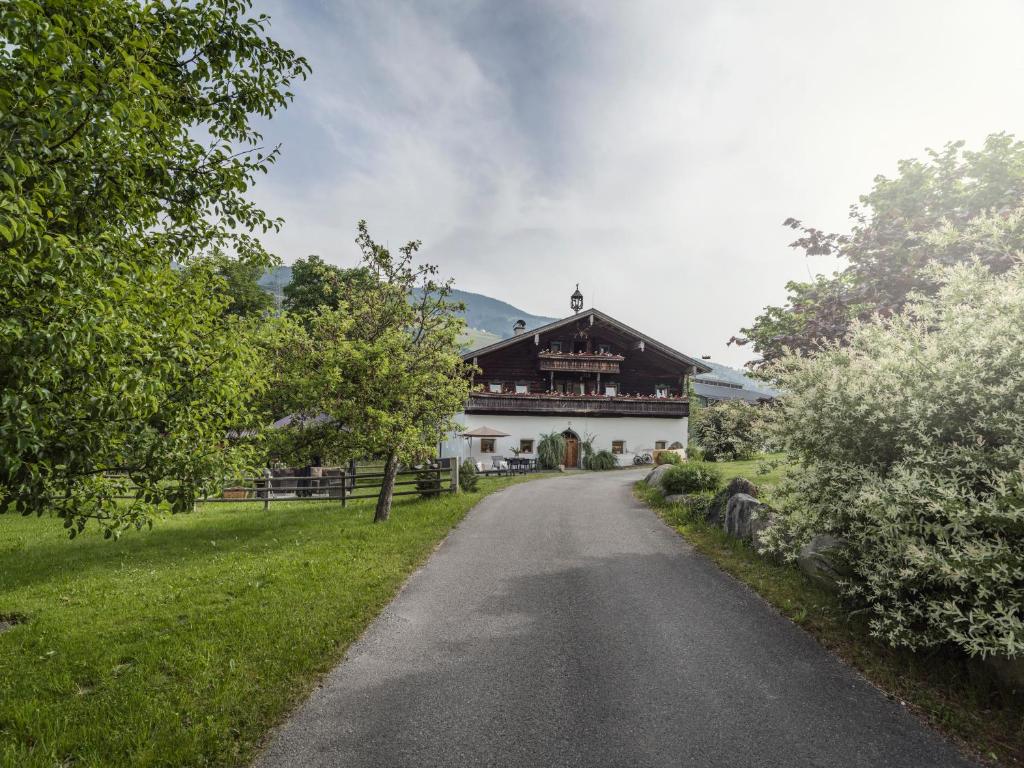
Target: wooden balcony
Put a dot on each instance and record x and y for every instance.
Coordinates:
(576, 405)
(579, 363)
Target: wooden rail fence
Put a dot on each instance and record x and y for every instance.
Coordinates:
(341, 485)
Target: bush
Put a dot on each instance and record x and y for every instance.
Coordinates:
(602, 460)
(694, 505)
(692, 477)
(551, 450)
(909, 441)
(729, 431)
(694, 453)
(667, 457)
(468, 477)
(428, 480)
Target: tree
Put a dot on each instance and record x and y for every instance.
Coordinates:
(126, 147)
(241, 285)
(908, 442)
(408, 377)
(316, 284)
(728, 431)
(893, 240)
(380, 374)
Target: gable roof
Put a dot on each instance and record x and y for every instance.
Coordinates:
(597, 315)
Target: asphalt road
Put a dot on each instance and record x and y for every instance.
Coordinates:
(562, 624)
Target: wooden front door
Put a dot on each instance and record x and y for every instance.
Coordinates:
(572, 450)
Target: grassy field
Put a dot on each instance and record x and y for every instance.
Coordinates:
(180, 646)
(957, 697)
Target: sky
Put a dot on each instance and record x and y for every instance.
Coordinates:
(648, 151)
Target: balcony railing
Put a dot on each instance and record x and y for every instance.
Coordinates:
(580, 363)
(577, 405)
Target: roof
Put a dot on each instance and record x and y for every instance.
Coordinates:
(715, 391)
(301, 420)
(597, 315)
(485, 432)
(726, 383)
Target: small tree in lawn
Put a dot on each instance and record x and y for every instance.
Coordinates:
(406, 379)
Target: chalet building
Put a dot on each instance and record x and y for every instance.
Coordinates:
(585, 376)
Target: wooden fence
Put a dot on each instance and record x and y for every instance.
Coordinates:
(342, 485)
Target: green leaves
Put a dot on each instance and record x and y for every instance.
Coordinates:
(126, 148)
(910, 443)
(956, 206)
(379, 356)
(729, 431)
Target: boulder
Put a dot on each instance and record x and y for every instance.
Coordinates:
(715, 513)
(657, 475)
(824, 560)
(677, 498)
(742, 485)
(745, 516)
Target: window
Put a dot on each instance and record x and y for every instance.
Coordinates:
(522, 389)
(526, 446)
(659, 445)
(487, 444)
(661, 391)
(492, 387)
(611, 389)
(618, 447)
(556, 346)
(604, 349)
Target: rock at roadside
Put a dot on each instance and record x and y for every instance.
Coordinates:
(657, 475)
(745, 516)
(824, 559)
(715, 513)
(742, 485)
(676, 498)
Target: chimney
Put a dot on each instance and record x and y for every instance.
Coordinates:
(519, 328)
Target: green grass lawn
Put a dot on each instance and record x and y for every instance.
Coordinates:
(754, 470)
(958, 697)
(180, 646)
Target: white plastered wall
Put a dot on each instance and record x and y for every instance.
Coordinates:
(639, 434)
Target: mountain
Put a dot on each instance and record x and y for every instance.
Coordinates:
(274, 280)
(487, 320)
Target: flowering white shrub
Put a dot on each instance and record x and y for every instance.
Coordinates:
(910, 445)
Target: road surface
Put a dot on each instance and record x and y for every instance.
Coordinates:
(563, 624)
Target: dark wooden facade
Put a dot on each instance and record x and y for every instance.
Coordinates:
(586, 365)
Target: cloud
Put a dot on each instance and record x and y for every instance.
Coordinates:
(646, 150)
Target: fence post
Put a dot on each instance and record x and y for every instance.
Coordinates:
(344, 487)
(266, 494)
(454, 475)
